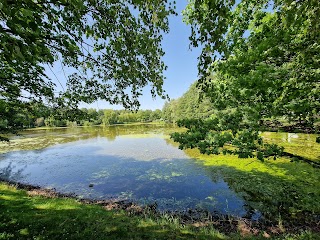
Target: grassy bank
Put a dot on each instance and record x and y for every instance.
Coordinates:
(25, 215)
(36, 217)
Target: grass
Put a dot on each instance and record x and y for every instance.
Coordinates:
(36, 217)
(301, 144)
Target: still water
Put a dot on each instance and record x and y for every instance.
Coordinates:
(134, 163)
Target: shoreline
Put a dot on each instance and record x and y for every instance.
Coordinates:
(191, 217)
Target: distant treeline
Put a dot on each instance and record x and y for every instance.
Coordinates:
(49, 117)
(39, 115)
(90, 117)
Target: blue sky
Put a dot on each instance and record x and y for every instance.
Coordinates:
(181, 62)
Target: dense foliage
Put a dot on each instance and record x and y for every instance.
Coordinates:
(190, 105)
(112, 49)
(259, 60)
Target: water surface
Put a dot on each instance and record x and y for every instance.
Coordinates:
(141, 164)
(131, 163)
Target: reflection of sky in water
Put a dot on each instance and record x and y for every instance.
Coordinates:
(141, 169)
(141, 149)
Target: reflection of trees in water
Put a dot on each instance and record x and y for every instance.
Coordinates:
(111, 132)
(10, 173)
(42, 138)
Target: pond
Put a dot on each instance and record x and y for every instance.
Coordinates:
(136, 163)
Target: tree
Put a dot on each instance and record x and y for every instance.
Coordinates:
(168, 111)
(113, 48)
(189, 106)
(110, 117)
(39, 122)
(156, 115)
(260, 59)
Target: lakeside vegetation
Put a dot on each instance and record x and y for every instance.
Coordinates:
(286, 192)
